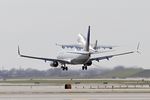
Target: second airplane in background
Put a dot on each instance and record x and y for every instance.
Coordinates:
(81, 41)
(82, 57)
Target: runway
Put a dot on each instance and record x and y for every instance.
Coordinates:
(77, 96)
(81, 90)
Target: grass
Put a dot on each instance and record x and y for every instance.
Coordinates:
(122, 73)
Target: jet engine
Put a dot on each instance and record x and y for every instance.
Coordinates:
(89, 63)
(54, 64)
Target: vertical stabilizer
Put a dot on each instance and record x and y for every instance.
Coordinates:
(87, 40)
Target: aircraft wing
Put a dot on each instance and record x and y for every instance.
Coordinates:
(70, 46)
(110, 56)
(41, 58)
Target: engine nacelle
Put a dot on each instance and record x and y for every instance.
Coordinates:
(89, 63)
(54, 64)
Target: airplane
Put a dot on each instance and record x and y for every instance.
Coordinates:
(75, 57)
(80, 46)
(82, 40)
(81, 43)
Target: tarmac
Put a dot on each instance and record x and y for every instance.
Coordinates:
(10, 88)
(77, 96)
(30, 91)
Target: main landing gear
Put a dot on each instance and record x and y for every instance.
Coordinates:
(64, 68)
(84, 67)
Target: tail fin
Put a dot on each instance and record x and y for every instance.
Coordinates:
(87, 40)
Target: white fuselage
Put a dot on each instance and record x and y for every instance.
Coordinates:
(74, 57)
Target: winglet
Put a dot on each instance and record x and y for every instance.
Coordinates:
(18, 50)
(137, 49)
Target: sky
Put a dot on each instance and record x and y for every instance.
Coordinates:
(37, 25)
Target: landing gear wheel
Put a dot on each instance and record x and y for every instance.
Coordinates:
(84, 67)
(64, 68)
